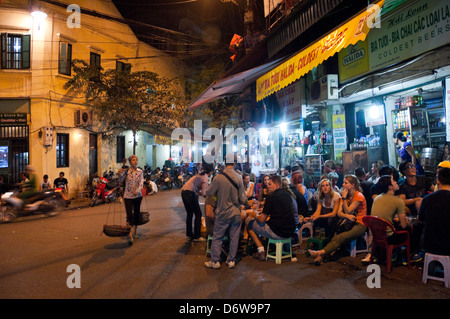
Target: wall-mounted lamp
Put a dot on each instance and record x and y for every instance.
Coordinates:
(39, 17)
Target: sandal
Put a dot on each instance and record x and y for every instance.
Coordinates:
(313, 253)
(318, 261)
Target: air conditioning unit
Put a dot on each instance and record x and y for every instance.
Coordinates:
(83, 118)
(325, 88)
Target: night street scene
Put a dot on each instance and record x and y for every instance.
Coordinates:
(220, 158)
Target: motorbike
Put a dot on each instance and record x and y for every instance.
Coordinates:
(179, 177)
(49, 202)
(165, 179)
(107, 189)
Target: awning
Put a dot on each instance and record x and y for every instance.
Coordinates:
(301, 63)
(232, 85)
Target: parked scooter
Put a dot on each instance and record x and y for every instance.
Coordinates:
(107, 189)
(179, 177)
(165, 179)
(49, 202)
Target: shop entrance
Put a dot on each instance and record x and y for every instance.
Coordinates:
(14, 148)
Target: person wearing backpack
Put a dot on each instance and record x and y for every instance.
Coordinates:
(229, 189)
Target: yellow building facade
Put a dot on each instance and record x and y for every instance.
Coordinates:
(40, 124)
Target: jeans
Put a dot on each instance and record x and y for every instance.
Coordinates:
(233, 225)
(190, 201)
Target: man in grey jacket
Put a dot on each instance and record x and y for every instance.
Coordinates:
(229, 189)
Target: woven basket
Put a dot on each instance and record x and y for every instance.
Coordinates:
(116, 230)
(144, 218)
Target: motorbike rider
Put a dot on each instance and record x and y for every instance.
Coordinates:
(29, 189)
(61, 182)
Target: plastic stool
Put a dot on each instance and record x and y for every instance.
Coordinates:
(445, 262)
(308, 225)
(319, 242)
(280, 253)
(354, 246)
(209, 241)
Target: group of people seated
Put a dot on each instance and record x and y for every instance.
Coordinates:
(401, 197)
(409, 201)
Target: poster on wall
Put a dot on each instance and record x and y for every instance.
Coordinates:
(339, 136)
(289, 100)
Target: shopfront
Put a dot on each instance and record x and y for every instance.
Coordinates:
(14, 139)
(394, 81)
(419, 113)
(307, 137)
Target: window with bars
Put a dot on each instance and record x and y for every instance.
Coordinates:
(95, 60)
(65, 58)
(62, 150)
(15, 51)
(123, 67)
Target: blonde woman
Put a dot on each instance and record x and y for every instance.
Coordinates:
(328, 202)
(353, 209)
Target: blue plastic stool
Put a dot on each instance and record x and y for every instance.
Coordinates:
(354, 246)
(280, 253)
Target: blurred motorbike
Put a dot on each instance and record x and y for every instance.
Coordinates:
(49, 202)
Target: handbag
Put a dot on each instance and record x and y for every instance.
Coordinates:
(344, 224)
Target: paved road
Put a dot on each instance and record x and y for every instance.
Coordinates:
(35, 254)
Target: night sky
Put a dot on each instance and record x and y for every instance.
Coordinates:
(210, 22)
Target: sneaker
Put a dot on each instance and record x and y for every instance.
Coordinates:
(260, 255)
(210, 264)
(394, 255)
(404, 261)
(199, 239)
(231, 264)
(417, 257)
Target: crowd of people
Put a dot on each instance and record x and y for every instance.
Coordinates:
(237, 207)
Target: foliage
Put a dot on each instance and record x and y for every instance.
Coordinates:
(222, 112)
(133, 101)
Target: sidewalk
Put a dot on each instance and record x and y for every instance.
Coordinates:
(78, 204)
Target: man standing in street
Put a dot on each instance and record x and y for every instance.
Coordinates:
(229, 189)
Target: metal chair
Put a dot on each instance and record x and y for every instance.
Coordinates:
(378, 228)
